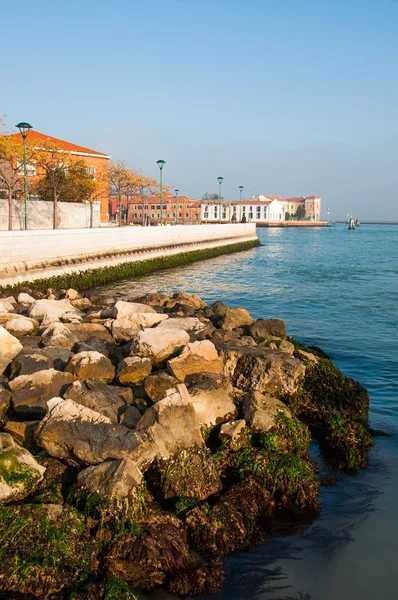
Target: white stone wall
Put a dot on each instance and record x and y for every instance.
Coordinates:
(47, 253)
(40, 214)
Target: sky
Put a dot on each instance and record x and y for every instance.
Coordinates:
(284, 97)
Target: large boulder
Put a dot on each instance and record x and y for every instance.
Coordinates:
(31, 392)
(6, 306)
(21, 326)
(94, 343)
(125, 328)
(23, 433)
(25, 299)
(157, 384)
(85, 331)
(10, 347)
(268, 328)
(182, 298)
(111, 479)
(59, 308)
(236, 317)
(212, 402)
(124, 309)
(260, 411)
(19, 471)
(190, 324)
(91, 365)
(58, 335)
(107, 400)
(197, 357)
(30, 361)
(263, 370)
(83, 437)
(133, 369)
(171, 424)
(158, 347)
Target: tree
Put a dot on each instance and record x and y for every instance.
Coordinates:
(300, 212)
(121, 182)
(11, 169)
(287, 216)
(74, 184)
(53, 163)
(100, 189)
(146, 187)
(207, 196)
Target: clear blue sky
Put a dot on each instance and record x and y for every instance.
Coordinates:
(285, 97)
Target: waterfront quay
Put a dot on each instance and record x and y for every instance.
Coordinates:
(26, 256)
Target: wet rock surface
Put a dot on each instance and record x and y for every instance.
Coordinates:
(143, 439)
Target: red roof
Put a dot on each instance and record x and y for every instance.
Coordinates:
(61, 144)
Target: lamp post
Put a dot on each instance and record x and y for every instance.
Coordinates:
(220, 180)
(176, 193)
(24, 129)
(161, 164)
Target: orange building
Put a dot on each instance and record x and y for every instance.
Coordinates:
(97, 163)
(180, 210)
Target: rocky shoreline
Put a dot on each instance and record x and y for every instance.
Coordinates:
(144, 439)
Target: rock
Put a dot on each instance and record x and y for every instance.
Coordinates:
(25, 299)
(236, 317)
(30, 361)
(94, 343)
(232, 433)
(19, 471)
(286, 346)
(267, 328)
(171, 424)
(133, 369)
(149, 344)
(58, 336)
(263, 370)
(219, 309)
(308, 356)
(91, 365)
(125, 328)
(57, 483)
(189, 324)
(153, 299)
(105, 399)
(156, 385)
(191, 474)
(72, 294)
(23, 434)
(197, 357)
(212, 403)
(192, 300)
(260, 411)
(82, 437)
(31, 392)
(114, 479)
(49, 319)
(59, 308)
(6, 306)
(10, 347)
(5, 399)
(130, 417)
(129, 309)
(86, 331)
(82, 304)
(20, 326)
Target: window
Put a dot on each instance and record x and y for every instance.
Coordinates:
(153, 215)
(180, 215)
(91, 172)
(206, 214)
(224, 213)
(215, 212)
(186, 215)
(244, 209)
(158, 207)
(140, 214)
(152, 207)
(158, 215)
(180, 206)
(265, 212)
(174, 214)
(235, 210)
(258, 210)
(31, 170)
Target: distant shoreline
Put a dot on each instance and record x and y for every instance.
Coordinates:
(374, 222)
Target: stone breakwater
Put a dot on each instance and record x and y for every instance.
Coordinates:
(143, 439)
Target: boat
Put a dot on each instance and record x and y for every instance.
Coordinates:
(351, 224)
(357, 223)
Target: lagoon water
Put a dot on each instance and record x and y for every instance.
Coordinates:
(336, 289)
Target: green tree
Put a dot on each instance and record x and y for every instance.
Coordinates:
(300, 212)
(11, 169)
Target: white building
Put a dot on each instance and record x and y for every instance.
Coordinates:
(260, 209)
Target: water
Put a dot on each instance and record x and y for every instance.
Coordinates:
(337, 289)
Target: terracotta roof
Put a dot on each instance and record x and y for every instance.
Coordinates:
(61, 144)
(302, 199)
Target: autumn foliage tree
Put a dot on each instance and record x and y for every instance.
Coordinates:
(300, 212)
(11, 169)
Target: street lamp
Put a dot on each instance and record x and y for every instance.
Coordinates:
(24, 129)
(176, 193)
(240, 191)
(161, 164)
(220, 180)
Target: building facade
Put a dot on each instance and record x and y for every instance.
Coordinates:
(97, 163)
(180, 210)
(311, 207)
(260, 209)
